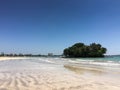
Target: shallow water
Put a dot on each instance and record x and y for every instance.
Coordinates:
(111, 61)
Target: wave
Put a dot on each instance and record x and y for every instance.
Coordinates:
(95, 62)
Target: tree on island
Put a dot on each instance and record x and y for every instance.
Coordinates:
(82, 50)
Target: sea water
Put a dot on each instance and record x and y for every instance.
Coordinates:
(106, 61)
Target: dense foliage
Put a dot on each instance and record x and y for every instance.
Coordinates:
(82, 50)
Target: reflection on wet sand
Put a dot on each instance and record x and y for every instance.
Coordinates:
(83, 69)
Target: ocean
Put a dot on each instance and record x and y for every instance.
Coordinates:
(106, 61)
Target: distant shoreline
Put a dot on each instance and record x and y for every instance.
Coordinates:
(11, 58)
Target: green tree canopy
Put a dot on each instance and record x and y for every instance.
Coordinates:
(82, 50)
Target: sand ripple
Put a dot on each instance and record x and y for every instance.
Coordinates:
(48, 81)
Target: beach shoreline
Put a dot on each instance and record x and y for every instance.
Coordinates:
(51, 74)
(11, 58)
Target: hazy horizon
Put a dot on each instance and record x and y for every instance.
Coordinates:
(49, 26)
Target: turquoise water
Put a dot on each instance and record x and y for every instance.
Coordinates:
(106, 61)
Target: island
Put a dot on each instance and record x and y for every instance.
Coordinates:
(82, 50)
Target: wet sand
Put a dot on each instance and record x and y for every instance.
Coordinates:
(52, 74)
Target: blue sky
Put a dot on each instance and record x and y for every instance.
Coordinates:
(43, 26)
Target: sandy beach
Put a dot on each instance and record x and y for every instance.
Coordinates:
(53, 74)
(11, 58)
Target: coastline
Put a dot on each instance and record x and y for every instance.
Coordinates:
(11, 58)
(35, 74)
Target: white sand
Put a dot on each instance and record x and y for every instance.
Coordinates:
(11, 58)
(35, 74)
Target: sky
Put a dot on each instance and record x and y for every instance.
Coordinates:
(49, 26)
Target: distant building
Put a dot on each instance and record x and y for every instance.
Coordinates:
(50, 54)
